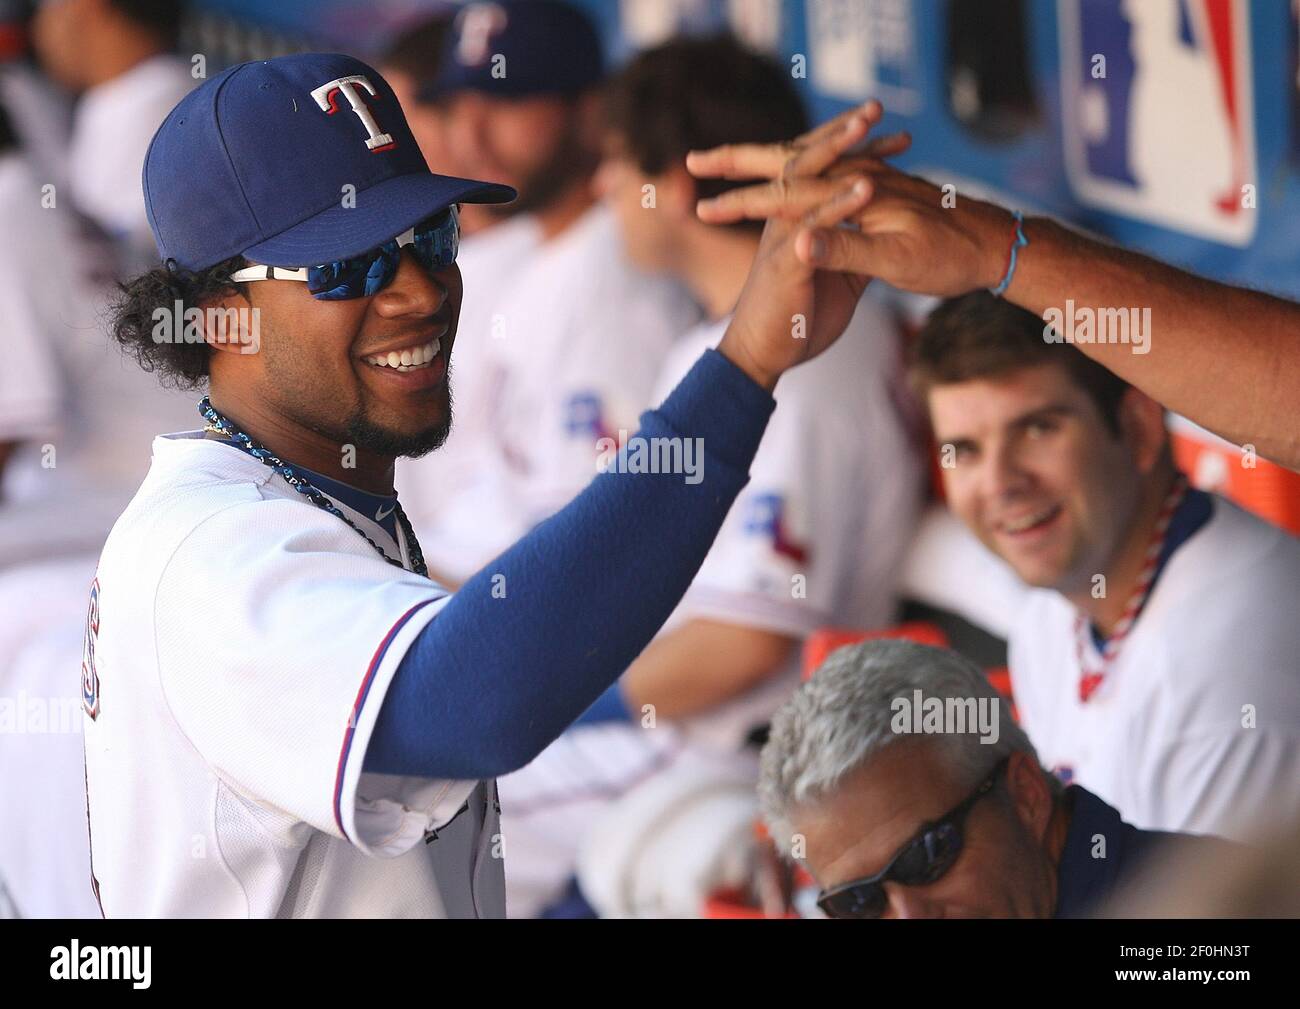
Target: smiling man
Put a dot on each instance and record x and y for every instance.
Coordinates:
(1159, 667)
(284, 715)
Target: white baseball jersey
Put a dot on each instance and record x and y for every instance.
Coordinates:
(112, 127)
(1197, 724)
(815, 538)
(44, 854)
(571, 350)
(52, 310)
(239, 645)
(818, 535)
(30, 384)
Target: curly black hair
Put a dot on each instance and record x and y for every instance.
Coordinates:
(133, 318)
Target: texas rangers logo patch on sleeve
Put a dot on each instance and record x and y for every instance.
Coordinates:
(89, 676)
(767, 516)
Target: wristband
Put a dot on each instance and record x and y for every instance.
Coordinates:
(1018, 241)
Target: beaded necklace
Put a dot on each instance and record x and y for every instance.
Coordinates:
(1091, 679)
(219, 424)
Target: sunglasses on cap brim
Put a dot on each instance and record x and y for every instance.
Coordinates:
(435, 242)
(930, 853)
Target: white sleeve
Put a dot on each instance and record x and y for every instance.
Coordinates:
(778, 561)
(613, 352)
(1235, 783)
(276, 637)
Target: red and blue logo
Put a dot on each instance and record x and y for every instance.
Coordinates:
(765, 515)
(584, 416)
(1158, 112)
(89, 675)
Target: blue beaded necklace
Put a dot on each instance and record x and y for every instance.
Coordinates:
(222, 426)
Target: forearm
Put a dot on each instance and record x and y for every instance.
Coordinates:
(1226, 358)
(529, 642)
(700, 665)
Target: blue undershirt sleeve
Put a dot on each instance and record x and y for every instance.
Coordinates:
(498, 675)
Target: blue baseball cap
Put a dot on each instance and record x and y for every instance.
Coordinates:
(258, 160)
(518, 48)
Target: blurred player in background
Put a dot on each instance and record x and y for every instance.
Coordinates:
(118, 57)
(568, 347)
(66, 486)
(30, 381)
(113, 54)
(410, 64)
(1157, 663)
(815, 539)
(492, 253)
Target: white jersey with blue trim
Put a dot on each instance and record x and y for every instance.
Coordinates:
(239, 644)
(1196, 726)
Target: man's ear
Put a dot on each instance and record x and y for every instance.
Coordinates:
(229, 323)
(1031, 795)
(1142, 426)
(677, 192)
(590, 109)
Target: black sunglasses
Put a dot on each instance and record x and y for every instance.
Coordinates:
(925, 858)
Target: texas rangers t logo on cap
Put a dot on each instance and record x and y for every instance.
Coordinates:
(377, 140)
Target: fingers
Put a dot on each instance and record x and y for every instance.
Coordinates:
(740, 161)
(888, 146)
(768, 161)
(789, 199)
(846, 251)
(820, 154)
(840, 207)
(871, 110)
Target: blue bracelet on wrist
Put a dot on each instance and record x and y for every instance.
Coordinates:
(1018, 242)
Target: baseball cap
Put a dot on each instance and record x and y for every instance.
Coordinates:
(259, 160)
(518, 48)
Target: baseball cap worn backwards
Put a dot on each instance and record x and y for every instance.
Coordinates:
(293, 161)
(519, 48)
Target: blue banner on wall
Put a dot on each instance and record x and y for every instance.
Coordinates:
(1168, 125)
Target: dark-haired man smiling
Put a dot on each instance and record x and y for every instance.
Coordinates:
(270, 681)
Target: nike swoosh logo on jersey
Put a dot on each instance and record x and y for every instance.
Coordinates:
(382, 514)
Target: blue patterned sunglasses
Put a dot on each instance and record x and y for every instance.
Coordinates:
(435, 242)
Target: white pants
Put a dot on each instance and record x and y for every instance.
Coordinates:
(603, 802)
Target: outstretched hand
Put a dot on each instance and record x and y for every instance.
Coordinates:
(902, 232)
(791, 309)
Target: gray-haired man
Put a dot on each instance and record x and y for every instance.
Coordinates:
(882, 774)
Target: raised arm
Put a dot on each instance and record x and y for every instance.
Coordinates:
(532, 640)
(1226, 357)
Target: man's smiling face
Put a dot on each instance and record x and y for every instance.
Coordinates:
(1037, 473)
(318, 365)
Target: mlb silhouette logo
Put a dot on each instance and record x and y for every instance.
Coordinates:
(1158, 112)
(859, 50)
